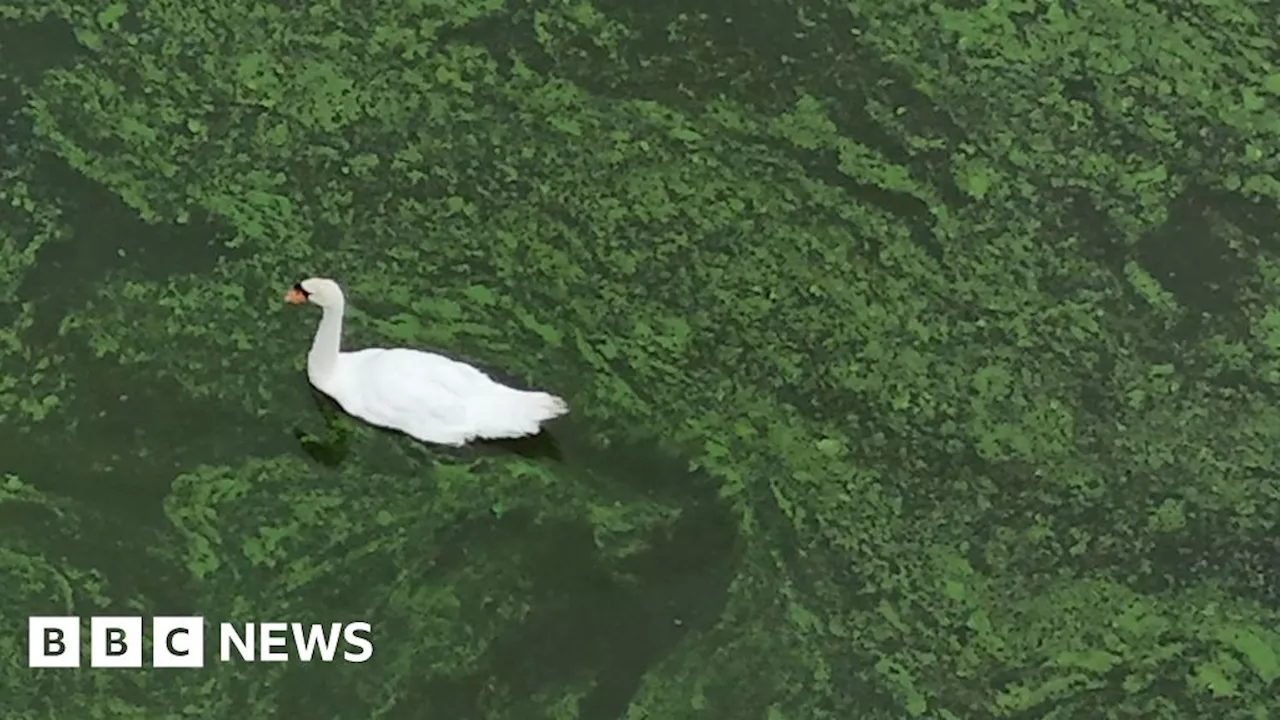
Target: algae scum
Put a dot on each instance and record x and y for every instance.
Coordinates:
(924, 357)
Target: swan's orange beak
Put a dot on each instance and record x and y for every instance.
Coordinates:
(294, 297)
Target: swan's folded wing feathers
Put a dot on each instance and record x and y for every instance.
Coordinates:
(407, 387)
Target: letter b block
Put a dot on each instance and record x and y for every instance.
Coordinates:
(53, 642)
(115, 642)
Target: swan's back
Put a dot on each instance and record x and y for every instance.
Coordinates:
(435, 398)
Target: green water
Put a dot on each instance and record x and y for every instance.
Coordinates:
(923, 357)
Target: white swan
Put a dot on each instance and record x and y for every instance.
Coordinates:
(430, 397)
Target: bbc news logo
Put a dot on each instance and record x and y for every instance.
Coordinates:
(178, 642)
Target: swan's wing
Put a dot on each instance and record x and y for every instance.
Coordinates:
(404, 388)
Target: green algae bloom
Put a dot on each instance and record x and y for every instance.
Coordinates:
(924, 356)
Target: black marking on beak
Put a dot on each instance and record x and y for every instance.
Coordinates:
(298, 286)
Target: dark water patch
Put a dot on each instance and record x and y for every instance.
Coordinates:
(1246, 561)
(130, 434)
(331, 446)
(1101, 241)
(1100, 398)
(1091, 536)
(81, 538)
(601, 620)
(1245, 230)
(907, 208)
(1082, 89)
(1192, 257)
(764, 52)
(1233, 380)
(1108, 695)
(28, 49)
(15, 127)
(1246, 225)
(761, 56)
(1025, 496)
(586, 623)
(541, 446)
(1242, 232)
(817, 569)
(1128, 311)
(782, 49)
(102, 232)
(106, 235)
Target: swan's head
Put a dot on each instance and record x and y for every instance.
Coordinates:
(318, 291)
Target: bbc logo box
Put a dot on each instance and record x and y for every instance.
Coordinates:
(115, 642)
(119, 642)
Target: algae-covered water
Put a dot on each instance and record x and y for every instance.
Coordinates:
(923, 356)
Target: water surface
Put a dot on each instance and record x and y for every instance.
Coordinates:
(922, 357)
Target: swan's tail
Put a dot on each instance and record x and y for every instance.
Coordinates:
(517, 413)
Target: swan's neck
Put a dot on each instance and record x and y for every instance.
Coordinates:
(322, 361)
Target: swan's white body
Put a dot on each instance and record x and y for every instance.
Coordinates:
(427, 396)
